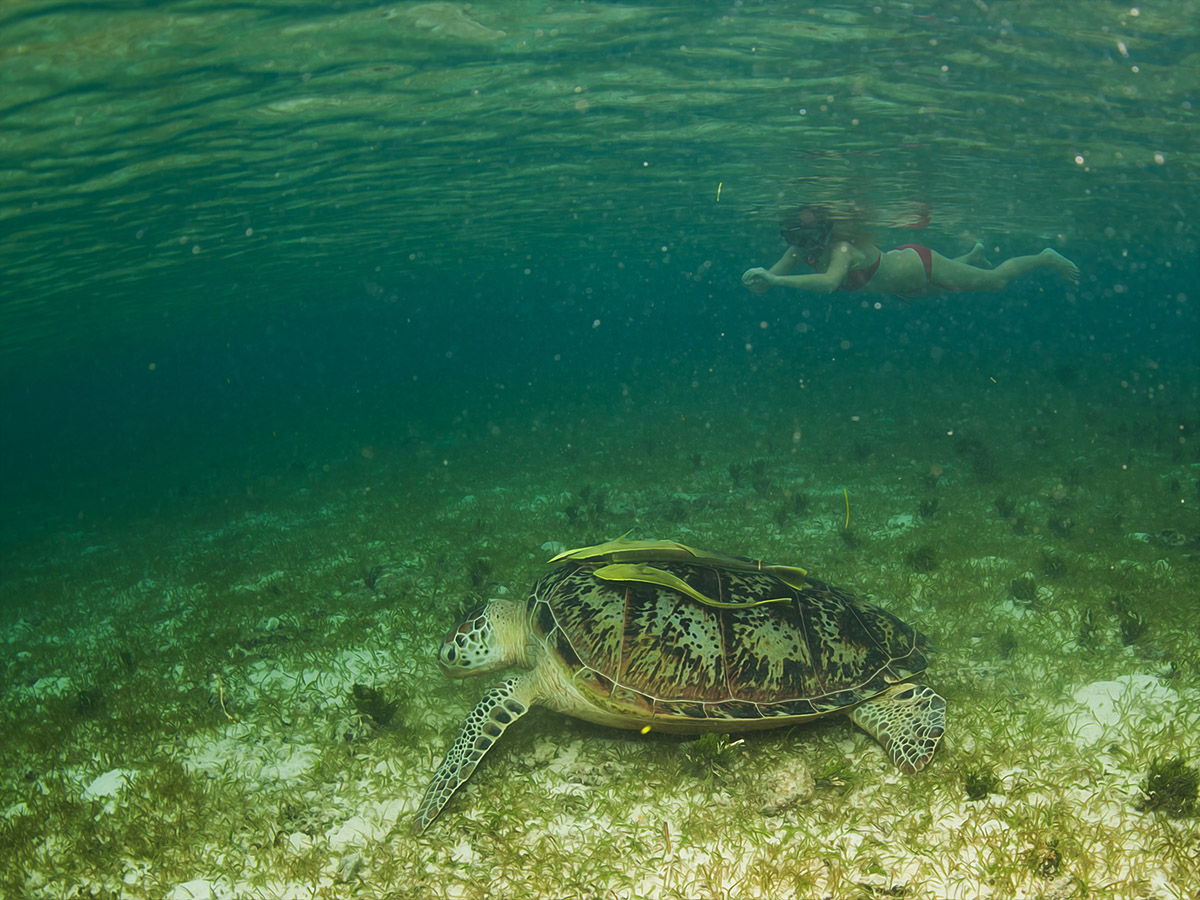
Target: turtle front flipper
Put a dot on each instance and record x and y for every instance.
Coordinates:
(908, 720)
(496, 710)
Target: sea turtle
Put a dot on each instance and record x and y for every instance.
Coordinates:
(655, 635)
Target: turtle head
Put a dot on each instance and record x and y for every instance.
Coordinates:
(490, 638)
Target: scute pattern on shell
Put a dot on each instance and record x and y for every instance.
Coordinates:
(654, 652)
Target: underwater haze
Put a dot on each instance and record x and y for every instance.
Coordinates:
(321, 323)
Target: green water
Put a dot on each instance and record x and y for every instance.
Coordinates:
(320, 323)
(176, 158)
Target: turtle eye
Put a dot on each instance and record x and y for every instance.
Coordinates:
(455, 654)
(464, 648)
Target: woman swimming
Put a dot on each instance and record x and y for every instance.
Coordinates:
(845, 259)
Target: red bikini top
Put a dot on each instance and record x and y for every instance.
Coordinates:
(856, 279)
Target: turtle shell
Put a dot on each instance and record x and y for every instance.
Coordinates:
(642, 652)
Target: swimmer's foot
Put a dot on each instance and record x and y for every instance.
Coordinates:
(977, 257)
(1060, 264)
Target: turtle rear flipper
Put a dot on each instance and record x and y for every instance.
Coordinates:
(908, 720)
(496, 710)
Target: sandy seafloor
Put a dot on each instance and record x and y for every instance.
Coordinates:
(178, 693)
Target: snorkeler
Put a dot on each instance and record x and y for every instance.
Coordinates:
(845, 259)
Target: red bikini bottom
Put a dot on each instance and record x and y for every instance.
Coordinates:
(926, 259)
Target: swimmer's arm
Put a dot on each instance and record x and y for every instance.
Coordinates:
(820, 281)
(788, 263)
(756, 279)
(834, 277)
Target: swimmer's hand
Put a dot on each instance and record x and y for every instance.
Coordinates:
(757, 279)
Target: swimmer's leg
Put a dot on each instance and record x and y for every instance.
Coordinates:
(976, 257)
(1052, 259)
(954, 275)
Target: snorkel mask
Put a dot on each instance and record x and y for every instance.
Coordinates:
(808, 233)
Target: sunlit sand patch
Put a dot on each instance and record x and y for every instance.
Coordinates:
(1104, 710)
